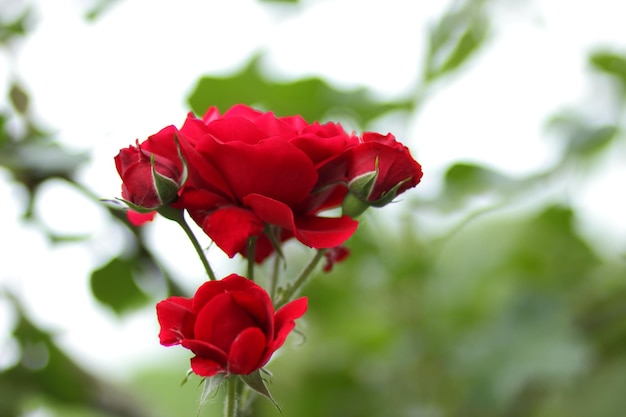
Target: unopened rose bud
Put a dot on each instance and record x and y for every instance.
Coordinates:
(152, 172)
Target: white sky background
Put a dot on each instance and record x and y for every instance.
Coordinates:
(101, 85)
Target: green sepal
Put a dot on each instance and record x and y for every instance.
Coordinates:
(256, 382)
(363, 185)
(132, 206)
(186, 378)
(166, 188)
(211, 385)
(353, 206)
(388, 196)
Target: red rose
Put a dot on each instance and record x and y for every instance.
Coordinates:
(230, 325)
(151, 172)
(375, 172)
(249, 169)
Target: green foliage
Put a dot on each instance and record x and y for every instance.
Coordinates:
(611, 63)
(15, 29)
(312, 98)
(583, 138)
(113, 285)
(454, 39)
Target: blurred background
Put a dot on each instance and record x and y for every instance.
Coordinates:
(496, 288)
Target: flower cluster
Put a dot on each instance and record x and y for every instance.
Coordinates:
(251, 181)
(250, 174)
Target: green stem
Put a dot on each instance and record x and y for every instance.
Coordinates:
(179, 217)
(250, 252)
(275, 276)
(231, 397)
(293, 289)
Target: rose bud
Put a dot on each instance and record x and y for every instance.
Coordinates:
(379, 169)
(152, 173)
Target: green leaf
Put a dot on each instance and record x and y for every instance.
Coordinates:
(611, 63)
(256, 382)
(454, 39)
(114, 285)
(583, 138)
(312, 98)
(465, 179)
(19, 98)
(16, 28)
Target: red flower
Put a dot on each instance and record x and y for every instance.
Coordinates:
(375, 171)
(229, 324)
(152, 173)
(252, 174)
(249, 169)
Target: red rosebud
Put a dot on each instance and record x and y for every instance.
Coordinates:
(152, 173)
(375, 171)
(230, 325)
(389, 163)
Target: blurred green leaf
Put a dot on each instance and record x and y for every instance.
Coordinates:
(19, 98)
(312, 98)
(583, 138)
(464, 180)
(457, 36)
(16, 28)
(611, 63)
(99, 8)
(4, 137)
(114, 285)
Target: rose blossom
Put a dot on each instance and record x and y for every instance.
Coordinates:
(229, 324)
(249, 170)
(252, 174)
(152, 173)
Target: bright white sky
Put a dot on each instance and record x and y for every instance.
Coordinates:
(102, 85)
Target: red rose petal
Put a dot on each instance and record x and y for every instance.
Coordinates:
(230, 227)
(176, 320)
(246, 351)
(316, 232)
(138, 219)
(221, 320)
(272, 168)
(206, 367)
(205, 350)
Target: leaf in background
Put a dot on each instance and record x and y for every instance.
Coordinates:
(463, 180)
(611, 63)
(4, 138)
(16, 28)
(114, 285)
(583, 138)
(454, 39)
(99, 8)
(19, 98)
(312, 97)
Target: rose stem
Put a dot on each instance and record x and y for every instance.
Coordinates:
(292, 289)
(275, 275)
(179, 217)
(231, 397)
(250, 251)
